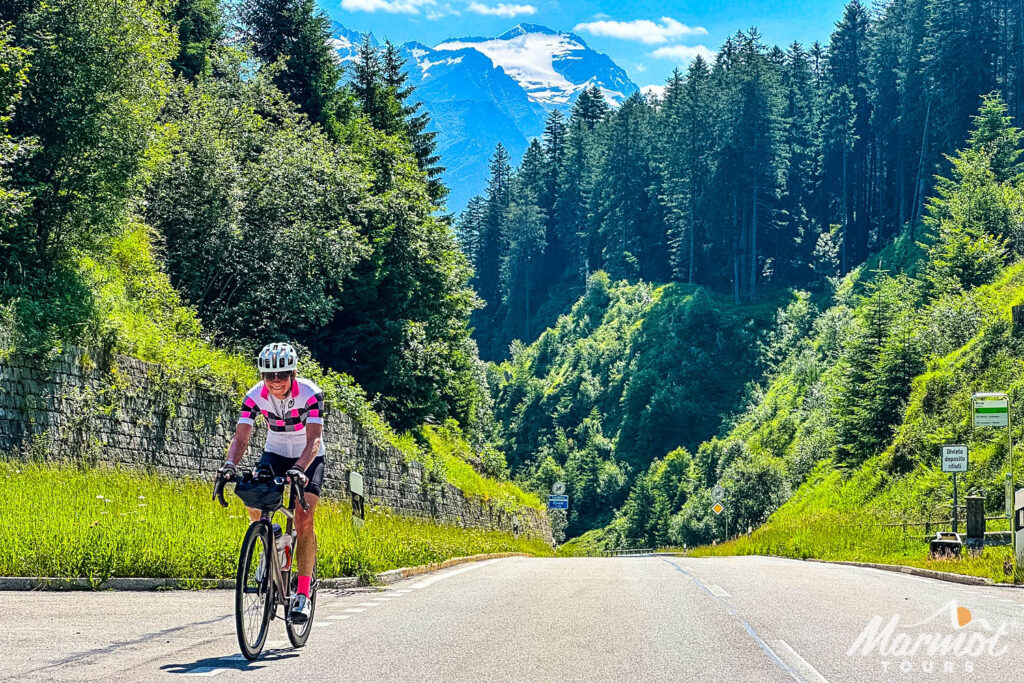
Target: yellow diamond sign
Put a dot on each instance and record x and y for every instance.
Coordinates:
(718, 508)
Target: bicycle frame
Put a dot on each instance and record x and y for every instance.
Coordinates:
(266, 518)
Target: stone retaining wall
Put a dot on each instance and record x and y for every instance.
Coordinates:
(123, 411)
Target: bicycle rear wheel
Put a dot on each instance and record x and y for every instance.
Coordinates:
(299, 633)
(254, 590)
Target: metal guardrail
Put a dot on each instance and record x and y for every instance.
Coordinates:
(628, 552)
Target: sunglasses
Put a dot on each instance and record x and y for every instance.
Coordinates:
(271, 376)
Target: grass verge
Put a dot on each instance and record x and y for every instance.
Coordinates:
(64, 521)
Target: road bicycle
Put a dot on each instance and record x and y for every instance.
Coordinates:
(259, 592)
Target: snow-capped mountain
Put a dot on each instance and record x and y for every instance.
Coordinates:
(346, 42)
(482, 91)
(552, 67)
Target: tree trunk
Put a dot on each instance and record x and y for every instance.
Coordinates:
(846, 214)
(753, 245)
(919, 180)
(689, 279)
(735, 253)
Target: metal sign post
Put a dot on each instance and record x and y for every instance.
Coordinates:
(355, 487)
(993, 410)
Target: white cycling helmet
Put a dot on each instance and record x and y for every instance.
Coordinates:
(278, 357)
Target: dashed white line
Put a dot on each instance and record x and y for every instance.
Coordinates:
(323, 624)
(718, 591)
(355, 610)
(447, 575)
(797, 662)
(204, 671)
(340, 616)
(369, 604)
(689, 569)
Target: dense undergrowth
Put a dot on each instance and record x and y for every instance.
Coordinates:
(107, 522)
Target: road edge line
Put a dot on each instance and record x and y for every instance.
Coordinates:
(134, 584)
(951, 577)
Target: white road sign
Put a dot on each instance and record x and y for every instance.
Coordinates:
(558, 488)
(954, 458)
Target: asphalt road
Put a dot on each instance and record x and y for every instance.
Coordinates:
(524, 619)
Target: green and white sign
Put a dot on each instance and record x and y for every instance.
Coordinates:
(991, 410)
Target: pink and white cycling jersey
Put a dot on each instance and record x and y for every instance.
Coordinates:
(286, 418)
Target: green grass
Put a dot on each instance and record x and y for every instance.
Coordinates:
(837, 517)
(448, 449)
(64, 521)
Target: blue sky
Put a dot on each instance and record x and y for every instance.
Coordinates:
(645, 38)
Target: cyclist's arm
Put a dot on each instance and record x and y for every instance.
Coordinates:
(243, 430)
(240, 442)
(312, 449)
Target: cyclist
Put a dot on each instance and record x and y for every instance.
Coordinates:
(293, 408)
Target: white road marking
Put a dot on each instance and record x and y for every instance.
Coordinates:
(340, 616)
(447, 575)
(689, 569)
(383, 599)
(369, 604)
(354, 610)
(323, 624)
(797, 662)
(718, 591)
(204, 671)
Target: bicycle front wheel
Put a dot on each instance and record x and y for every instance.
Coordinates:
(299, 633)
(254, 590)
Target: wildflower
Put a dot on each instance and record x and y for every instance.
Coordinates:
(99, 497)
(142, 498)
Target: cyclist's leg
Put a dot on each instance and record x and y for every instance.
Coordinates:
(305, 552)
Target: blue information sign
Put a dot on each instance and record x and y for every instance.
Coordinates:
(558, 502)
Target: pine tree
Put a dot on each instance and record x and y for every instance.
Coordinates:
(200, 28)
(297, 33)
(424, 142)
(590, 107)
(492, 246)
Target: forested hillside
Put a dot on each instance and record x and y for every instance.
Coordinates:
(769, 166)
(631, 370)
(183, 181)
(829, 170)
(862, 394)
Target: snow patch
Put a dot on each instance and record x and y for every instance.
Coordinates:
(529, 59)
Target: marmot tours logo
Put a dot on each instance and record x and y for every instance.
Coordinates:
(950, 640)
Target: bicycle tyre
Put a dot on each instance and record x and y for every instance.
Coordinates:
(298, 634)
(251, 622)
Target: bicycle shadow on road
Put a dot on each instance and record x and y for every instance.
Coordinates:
(230, 663)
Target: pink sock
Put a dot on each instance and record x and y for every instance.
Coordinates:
(303, 586)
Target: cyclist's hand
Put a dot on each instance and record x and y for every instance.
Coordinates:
(298, 476)
(227, 471)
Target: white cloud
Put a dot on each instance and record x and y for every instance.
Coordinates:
(654, 90)
(644, 30)
(640, 68)
(684, 53)
(501, 9)
(389, 6)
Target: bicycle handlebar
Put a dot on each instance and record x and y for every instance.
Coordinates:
(218, 489)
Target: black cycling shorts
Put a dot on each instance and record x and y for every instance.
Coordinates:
(280, 466)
